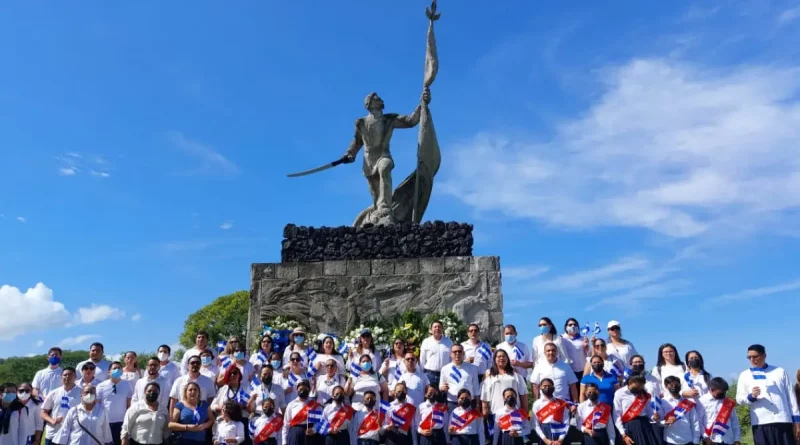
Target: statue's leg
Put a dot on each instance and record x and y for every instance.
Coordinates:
(374, 182)
(385, 191)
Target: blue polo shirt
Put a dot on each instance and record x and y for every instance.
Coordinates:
(605, 385)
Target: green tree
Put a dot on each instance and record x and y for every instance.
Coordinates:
(225, 316)
(743, 412)
(22, 369)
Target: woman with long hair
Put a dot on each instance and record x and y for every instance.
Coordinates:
(668, 364)
(694, 382)
(575, 345)
(617, 346)
(499, 377)
(548, 334)
(366, 345)
(190, 417)
(366, 380)
(390, 365)
(328, 351)
(260, 356)
(131, 372)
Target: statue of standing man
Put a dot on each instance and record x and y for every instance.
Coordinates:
(374, 133)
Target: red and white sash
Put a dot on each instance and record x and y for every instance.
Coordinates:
(636, 408)
(406, 412)
(302, 415)
(605, 414)
(344, 413)
(428, 424)
(469, 417)
(268, 429)
(724, 414)
(555, 409)
(371, 422)
(685, 406)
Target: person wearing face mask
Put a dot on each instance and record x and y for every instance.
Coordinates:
(167, 369)
(297, 344)
(14, 426)
(551, 415)
(85, 424)
(415, 382)
(298, 428)
(652, 384)
(368, 421)
(511, 425)
(267, 425)
(683, 423)
(115, 395)
(208, 368)
(35, 424)
(431, 417)
(593, 418)
(548, 334)
(340, 417)
(633, 412)
(267, 389)
(575, 345)
(200, 346)
(206, 385)
(146, 421)
(400, 422)
(605, 383)
(49, 378)
(246, 368)
(517, 351)
(720, 423)
(58, 403)
(366, 380)
(328, 380)
(466, 423)
(695, 380)
(295, 374)
(151, 375)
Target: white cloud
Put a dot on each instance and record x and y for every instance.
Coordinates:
(40, 343)
(789, 16)
(524, 272)
(136, 317)
(80, 340)
(760, 292)
(100, 174)
(585, 278)
(114, 357)
(213, 162)
(668, 147)
(30, 354)
(24, 312)
(226, 225)
(96, 313)
(21, 219)
(67, 171)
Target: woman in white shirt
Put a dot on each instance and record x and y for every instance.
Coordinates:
(366, 345)
(576, 346)
(296, 374)
(298, 344)
(85, 424)
(228, 430)
(389, 368)
(327, 381)
(499, 377)
(14, 420)
(669, 364)
(131, 372)
(617, 346)
(367, 380)
(34, 405)
(548, 333)
(327, 351)
(694, 381)
(260, 356)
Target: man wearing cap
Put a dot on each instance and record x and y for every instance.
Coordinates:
(297, 343)
(617, 346)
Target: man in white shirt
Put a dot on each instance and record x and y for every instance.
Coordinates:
(414, 381)
(768, 392)
(434, 353)
(564, 380)
(200, 345)
(683, 422)
(152, 375)
(517, 351)
(115, 394)
(58, 403)
(96, 351)
(49, 378)
(477, 352)
(207, 388)
(458, 375)
(169, 370)
(720, 423)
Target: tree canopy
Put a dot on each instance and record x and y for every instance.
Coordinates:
(22, 369)
(225, 316)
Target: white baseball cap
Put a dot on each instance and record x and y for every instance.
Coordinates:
(613, 323)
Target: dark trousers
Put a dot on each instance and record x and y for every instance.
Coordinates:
(116, 430)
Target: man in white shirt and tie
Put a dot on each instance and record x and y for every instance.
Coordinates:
(434, 353)
(96, 351)
(767, 390)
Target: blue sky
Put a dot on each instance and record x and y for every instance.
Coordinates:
(630, 161)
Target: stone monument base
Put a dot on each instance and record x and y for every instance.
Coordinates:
(335, 296)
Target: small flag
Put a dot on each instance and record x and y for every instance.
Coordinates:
(315, 416)
(293, 379)
(343, 348)
(311, 372)
(397, 419)
(226, 361)
(596, 418)
(311, 354)
(597, 330)
(558, 429)
(241, 397)
(438, 418)
(221, 345)
(384, 407)
(455, 375)
(585, 331)
(689, 380)
(516, 419)
(252, 428)
(457, 421)
(355, 369)
(720, 428)
(254, 383)
(627, 374)
(323, 427)
(655, 403)
(490, 424)
(262, 357)
(484, 351)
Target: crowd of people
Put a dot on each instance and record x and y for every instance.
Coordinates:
(571, 387)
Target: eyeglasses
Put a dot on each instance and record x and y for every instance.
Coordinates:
(753, 357)
(194, 363)
(24, 391)
(614, 328)
(459, 351)
(410, 360)
(599, 346)
(571, 324)
(473, 330)
(295, 359)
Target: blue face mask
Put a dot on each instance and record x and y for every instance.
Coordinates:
(239, 355)
(54, 360)
(276, 364)
(9, 397)
(366, 366)
(511, 338)
(206, 360)
(117, 373)
(299, 339)
(544, 329)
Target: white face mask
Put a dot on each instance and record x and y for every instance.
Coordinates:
(23, 396)
(88, 398)
(163, 356)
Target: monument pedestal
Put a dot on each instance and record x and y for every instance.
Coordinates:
(336, 295)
